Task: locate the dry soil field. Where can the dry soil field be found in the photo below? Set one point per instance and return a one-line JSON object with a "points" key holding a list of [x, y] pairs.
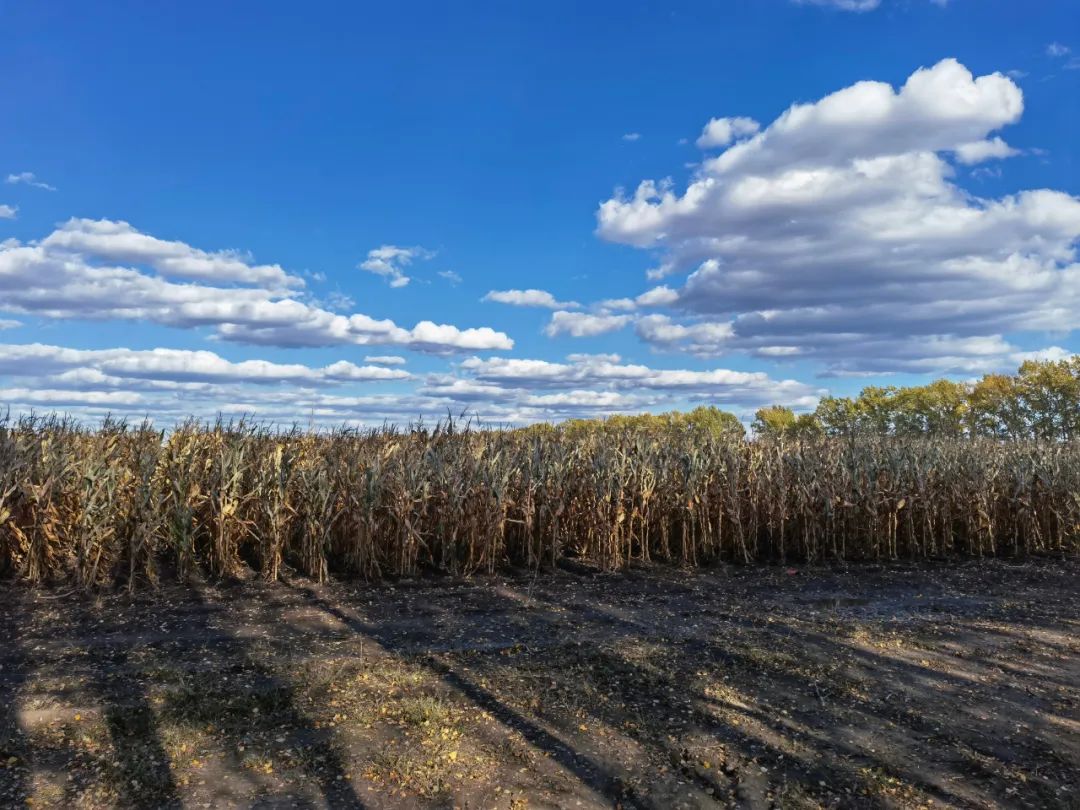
{"points": [[901, 686]]}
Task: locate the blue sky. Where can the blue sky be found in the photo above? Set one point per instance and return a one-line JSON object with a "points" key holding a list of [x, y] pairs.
{"points": [[211, 207]]}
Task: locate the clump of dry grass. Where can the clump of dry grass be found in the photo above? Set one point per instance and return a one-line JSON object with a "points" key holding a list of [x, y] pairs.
{"points": [[122, 504]]}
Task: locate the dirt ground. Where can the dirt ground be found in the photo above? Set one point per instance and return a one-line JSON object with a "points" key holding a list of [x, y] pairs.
{"points": [[951, 685]]}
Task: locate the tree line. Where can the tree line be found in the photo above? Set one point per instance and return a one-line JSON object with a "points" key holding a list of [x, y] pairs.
{"points": [[1040, 401]]}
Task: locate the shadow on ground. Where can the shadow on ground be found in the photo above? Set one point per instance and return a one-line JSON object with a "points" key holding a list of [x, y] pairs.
{"points": [[952, 685]]}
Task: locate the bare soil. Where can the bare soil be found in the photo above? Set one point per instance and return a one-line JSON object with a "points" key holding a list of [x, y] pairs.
{"points": [[937, 685]]}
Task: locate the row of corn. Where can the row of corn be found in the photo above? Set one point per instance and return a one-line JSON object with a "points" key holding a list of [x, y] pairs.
{"points": [[123, 504]]}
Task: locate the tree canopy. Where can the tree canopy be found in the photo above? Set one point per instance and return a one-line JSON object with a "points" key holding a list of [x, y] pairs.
{"points": [[1040, 401]]}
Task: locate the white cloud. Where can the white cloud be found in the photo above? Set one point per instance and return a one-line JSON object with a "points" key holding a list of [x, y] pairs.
{"points": [[172, 385], [586, 385], [8, 211], [28, 179], [722, 131], [290, 323], [529, 298], [656, 297], [55, 399], [978, 151], [616, 304], [840, 229], [344, 371], [81, 271], [661, 296], [600, 372], [390, 262], [582, 324], [779, 351], [632, 136], [1057, 50], [941, 354], [707, 339], [385, 360], [286, 406], [450, 276], [7, 323], [1051, 353], [119, 242], [177, 365]]}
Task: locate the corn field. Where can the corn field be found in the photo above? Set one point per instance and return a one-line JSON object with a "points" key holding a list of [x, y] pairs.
{"points": [[129, 505]]}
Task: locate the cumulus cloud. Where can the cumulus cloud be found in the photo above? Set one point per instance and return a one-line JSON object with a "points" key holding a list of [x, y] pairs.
{"points": [[587, 385], [390, 262], [58, 399], [284, 406], [656, 297], [942, 354], [171, 388], [722, 131], [175, 365], [707, 339], [8, 211], [604, 373], [632, 136], [28, 179], [583, 324], [290, 323], [118, 242], [978, 151], [616, 304], [529, 298], [108, 270], [839, 228], [661, 296], [172, 385]]}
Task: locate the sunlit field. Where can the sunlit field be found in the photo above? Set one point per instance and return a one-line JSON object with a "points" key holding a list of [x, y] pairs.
{"points": [[540, 406], [873, 604]]}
